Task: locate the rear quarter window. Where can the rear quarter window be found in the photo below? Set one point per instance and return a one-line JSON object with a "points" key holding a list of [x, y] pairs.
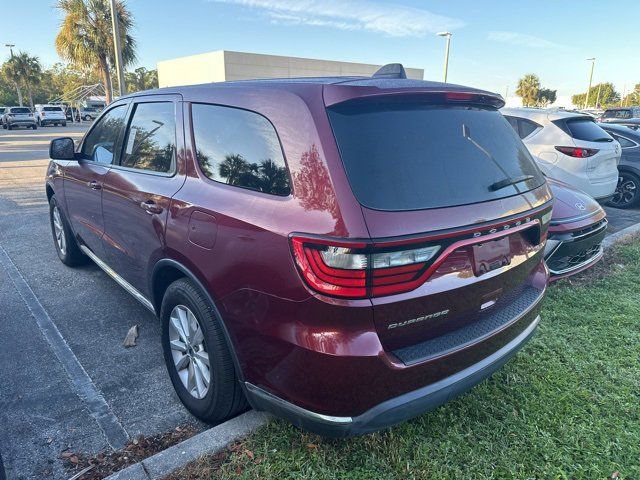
{"points": [[239, 148]]}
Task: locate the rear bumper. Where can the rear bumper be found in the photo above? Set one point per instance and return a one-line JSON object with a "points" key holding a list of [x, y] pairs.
{"points": [[397, 409]]}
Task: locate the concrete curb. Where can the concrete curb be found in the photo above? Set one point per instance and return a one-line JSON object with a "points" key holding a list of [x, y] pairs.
{"points": [[208, 442], [612, 239]]}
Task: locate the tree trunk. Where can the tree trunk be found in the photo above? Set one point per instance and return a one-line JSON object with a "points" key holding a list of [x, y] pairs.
{"points": [[19, 94], [31, 97], [106, 79]]}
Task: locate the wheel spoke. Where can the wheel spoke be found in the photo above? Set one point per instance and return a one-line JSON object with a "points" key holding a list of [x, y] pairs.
{"points": [[182, 362], [197, 338], [178, 345], [191, 380], [203, 371], [176, 325], [203, 357], [184, 321]]}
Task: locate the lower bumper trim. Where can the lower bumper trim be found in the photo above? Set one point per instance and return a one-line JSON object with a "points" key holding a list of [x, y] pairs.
{"points": [[395, 410]]}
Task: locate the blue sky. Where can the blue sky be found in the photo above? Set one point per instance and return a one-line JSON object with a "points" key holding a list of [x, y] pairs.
{"points": [[494, 41]]}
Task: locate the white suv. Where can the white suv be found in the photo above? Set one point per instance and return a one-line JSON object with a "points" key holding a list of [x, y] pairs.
{"points": [[50, 115], [569, 147]]}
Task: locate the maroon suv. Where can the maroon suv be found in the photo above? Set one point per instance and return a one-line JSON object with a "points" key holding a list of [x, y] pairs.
{"points": [[344, 252]]}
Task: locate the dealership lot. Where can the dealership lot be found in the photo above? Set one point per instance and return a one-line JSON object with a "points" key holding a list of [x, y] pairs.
{"points": [[71, 384]]}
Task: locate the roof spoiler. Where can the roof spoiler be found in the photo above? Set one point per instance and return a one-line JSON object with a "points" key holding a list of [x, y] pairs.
{"points": [[390, 70]]}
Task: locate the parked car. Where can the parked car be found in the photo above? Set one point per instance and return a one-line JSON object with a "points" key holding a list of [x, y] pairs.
{"points": [[569, 147], [627, 193], [2, 112], [18, 117], [89, 113], [620, 114], [50, 115], [578, 227], [72, 114], [344, 252]]}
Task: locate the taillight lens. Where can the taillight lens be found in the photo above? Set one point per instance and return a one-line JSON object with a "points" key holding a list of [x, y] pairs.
{"points": [[578, 152], [358, 270]]}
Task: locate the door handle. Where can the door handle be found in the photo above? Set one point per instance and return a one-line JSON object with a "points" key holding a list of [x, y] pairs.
{"points": [[94, 185], [151, 207]]}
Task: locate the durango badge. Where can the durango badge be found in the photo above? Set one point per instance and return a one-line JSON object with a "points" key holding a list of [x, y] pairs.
{"points": [[417, 319]]}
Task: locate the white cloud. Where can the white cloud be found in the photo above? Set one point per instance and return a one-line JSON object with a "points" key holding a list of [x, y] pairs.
{"points": [[389, 19], [522, 40]]}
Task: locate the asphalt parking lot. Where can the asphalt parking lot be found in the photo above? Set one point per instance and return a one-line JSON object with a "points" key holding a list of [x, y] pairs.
{"points": [[67, 381]]}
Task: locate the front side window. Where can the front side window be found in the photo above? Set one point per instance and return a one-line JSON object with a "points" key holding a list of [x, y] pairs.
{"points": [[101, 141], [239, 148], [150, 142]]}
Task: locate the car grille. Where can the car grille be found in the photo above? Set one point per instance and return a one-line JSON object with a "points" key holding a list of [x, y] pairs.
{"points": [[559, 264]]}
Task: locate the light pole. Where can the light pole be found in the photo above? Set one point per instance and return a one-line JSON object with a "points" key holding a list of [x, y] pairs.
{"points": [[593, 62], [10, 45], [446, 52], [116, 45]]}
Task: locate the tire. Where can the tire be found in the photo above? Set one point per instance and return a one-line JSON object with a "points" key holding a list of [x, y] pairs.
{"points": [[87, 118], [64, 124], [68, 250], [35, 127], [39, 122], [9, 126], [627, 193], [223, 397]]}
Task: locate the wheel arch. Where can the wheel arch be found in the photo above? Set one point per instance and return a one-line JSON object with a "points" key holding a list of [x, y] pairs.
{"points": [[50, 191], [167, 271], [629, 169]]}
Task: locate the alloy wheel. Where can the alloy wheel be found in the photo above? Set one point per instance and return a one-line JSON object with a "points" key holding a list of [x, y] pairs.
{"points": [[626, 191], [59, 231], [189, 351]]}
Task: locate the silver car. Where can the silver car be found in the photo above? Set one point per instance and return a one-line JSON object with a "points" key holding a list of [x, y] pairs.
{"points": [[18, 117]]}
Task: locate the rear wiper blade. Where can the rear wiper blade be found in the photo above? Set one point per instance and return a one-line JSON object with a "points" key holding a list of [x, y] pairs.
{"points": [[603, 139], [509, 181]]}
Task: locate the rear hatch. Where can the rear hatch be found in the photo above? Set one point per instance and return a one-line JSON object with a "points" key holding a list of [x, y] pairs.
{"points": [[53, 113], [21, 113], [603, 152], [454, 205]]}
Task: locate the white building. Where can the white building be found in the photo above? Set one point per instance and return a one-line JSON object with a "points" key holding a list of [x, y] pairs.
{"points": [[223, 65]]}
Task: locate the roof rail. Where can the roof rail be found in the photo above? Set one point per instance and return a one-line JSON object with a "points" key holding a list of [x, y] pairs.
{"points": [[390, 70]]}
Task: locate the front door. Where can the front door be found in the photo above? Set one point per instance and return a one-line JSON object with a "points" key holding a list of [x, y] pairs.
{"points": [[84, 179], [137, 191]]}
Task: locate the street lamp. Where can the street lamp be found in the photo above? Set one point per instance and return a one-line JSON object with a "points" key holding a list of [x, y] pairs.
{"points": [[118, 49], [446, 52], [593, 62], [10, 45]]}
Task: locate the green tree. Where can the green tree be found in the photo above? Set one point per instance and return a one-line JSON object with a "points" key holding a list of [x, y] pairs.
{"points": [[633, 98], [25, 71], [601, 95], [528, 89], [141, 79], [545, 97], [85, 38]]}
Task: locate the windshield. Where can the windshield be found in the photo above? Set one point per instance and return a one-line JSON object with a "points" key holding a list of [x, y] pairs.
{"points": [[409, 156], [617, 114], [587, 130]]}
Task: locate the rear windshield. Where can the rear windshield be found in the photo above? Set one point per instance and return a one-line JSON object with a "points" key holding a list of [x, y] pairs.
{"points": [[52, 109], [409, 156], [587, 130], [20, 110], [617, 114]]}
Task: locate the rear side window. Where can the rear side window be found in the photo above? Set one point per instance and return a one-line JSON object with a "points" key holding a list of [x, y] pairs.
{"points": [[151, 138], [587, 130], [408, 156], [100, 143], [239, 148]]}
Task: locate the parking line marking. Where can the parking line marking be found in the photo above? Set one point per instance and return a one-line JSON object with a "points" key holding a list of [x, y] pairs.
{"points": [[81, 383]]}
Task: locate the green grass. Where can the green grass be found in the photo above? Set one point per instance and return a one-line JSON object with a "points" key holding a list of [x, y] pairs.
{"points": [[567, 407]]}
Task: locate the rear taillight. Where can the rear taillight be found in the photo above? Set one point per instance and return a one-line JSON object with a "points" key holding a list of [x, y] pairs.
{"points": [[359, 270], [42, 113], [578, 152]]}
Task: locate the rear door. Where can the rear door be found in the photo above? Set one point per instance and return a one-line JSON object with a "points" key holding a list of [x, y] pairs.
{"points": [[83, 180], [137, 191]]}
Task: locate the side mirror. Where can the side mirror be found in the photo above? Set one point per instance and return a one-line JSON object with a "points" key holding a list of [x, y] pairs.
{"points": [[62, 149]]}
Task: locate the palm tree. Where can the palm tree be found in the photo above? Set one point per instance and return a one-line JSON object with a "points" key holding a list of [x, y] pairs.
{"points": [[85, 38], [25, 71], [528, 88]]}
